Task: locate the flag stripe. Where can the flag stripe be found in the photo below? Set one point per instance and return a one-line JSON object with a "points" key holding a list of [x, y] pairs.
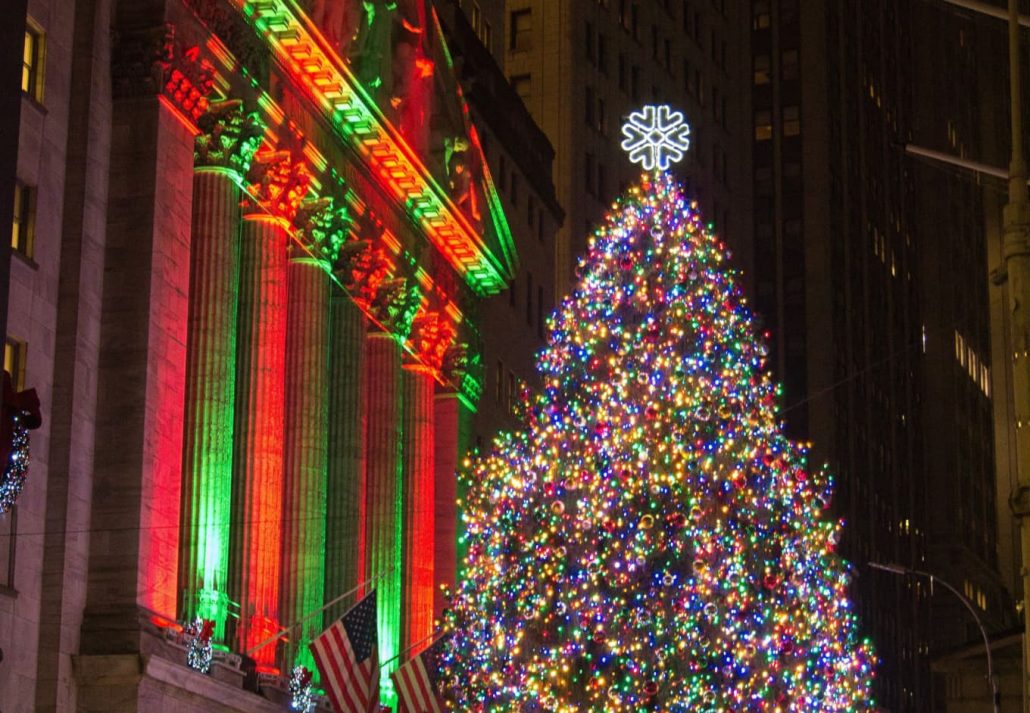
{"points": [[351, 684]]}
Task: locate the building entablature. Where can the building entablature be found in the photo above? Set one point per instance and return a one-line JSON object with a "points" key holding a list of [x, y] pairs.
{"points": [[400, 210]]}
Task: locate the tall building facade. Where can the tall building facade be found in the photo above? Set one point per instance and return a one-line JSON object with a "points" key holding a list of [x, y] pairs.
{"points": [[252, 242], [870, 273], [581, 66]]}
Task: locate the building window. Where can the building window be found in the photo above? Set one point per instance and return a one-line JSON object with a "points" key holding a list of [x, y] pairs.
{"points": [[514, 190], [590, 104], [521, 30], [23, 228], [32, 61], [762, 69], [529, 299], [499, 382], [602, 53], [15, 352], [523, 86], [540, 312], [486, 34], [760, 15], [623, 84], [602, 117], [540, 226], [8, 528], [763, 125], [591, 50], [791, 121], [789, 65], [512, 390]]}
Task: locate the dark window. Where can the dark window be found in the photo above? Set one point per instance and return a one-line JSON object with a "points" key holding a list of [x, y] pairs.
{"points": [[529, 298], [523, 86], [521, 30]]}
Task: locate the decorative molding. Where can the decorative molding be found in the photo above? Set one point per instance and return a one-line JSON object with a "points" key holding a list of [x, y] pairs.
{"points": [[225, 21], [228, 138], [154, 62], [278, 182]]}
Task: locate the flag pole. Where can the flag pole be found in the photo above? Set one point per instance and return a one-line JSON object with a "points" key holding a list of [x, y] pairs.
{"points": [[415, 645], [316, 612]]}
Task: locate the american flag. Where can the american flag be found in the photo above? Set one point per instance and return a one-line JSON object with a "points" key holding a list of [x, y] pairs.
{"points": [[346, 656], [417, 681]]}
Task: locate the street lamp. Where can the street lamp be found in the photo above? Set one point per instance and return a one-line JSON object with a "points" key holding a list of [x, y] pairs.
{"points": [[906, 572]]}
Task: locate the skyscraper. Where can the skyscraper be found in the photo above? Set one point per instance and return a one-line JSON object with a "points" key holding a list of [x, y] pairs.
{"points": [[871, 276], [581, 66]]}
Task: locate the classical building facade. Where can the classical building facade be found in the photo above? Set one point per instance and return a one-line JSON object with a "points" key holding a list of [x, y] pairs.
{"points": [[258, 237]]}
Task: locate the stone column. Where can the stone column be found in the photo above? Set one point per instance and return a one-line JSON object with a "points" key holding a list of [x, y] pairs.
{"points": [[384, 489], [260, 402], [307, 416], [222, 154], [453, 418], [419, 505], [345, 499]]}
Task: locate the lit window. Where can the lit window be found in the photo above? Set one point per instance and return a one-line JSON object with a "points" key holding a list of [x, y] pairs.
{"points": [[32, 62], [763, 125], [760, 14], [762, 69], [521, 30], [23, 227], [14, 362]]}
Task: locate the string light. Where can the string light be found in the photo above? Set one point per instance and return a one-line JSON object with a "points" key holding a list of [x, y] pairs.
{"points": [[651, 540]]}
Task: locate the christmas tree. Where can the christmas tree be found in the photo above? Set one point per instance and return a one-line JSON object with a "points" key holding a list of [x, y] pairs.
{"points": [[650, 540]]}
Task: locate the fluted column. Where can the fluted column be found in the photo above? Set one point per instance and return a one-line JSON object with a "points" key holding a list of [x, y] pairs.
{"points": [[210, 396], [384, 489], [451, 433], [307, 411], [260, 406], [345, 500], [260, 401], [223, 151], [419, 505]]}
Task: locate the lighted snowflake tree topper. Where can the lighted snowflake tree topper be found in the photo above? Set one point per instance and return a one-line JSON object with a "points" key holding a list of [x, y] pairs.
{"points": [[656, 137]]}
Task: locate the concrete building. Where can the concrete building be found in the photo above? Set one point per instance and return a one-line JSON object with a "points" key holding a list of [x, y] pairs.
{"points": [[581, 66], [870, 271], [253, 242]]}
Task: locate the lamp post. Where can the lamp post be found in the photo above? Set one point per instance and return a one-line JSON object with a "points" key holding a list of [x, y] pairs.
{"points": [[906, 572], [1016, 248]]}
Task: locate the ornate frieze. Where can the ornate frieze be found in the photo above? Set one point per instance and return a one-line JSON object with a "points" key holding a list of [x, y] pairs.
{"points": [[155, 62], [229, 136]]}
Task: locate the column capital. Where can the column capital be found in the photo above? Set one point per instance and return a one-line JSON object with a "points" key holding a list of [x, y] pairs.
{"points": [[432, 335], [154, 62], [323, 225], [278, 182], [362, 267], [229, 136], [395, 304]]}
